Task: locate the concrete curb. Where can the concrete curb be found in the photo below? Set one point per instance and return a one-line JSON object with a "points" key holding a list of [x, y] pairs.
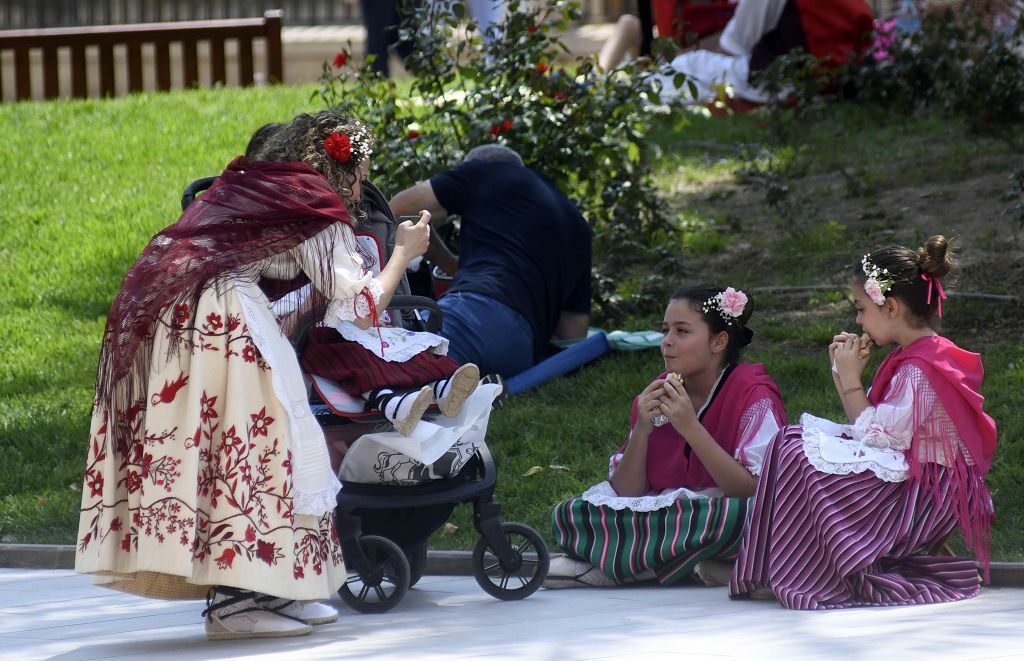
{"points": [[447, 563]]}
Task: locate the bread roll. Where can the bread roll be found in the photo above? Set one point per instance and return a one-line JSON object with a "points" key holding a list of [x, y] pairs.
{"points": [[865, 346]]}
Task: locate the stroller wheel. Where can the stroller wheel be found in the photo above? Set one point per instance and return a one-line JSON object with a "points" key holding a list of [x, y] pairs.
{"points": [[524, 575], [385, 582], [417, 557]]}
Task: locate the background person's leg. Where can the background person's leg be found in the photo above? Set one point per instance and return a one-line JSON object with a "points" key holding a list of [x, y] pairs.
{"points": [[380, 17], [483, 331]]}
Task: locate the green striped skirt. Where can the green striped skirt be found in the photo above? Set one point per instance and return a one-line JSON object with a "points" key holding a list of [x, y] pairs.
{"points": [[670, 541]]}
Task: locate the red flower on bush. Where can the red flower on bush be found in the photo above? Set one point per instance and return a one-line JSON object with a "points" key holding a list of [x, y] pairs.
{"points": [[503, 127], [542, 68], [340, 59], [413, 134], [226, 558], [531, 28], [338, 147], [266, 551], [559, 95]]}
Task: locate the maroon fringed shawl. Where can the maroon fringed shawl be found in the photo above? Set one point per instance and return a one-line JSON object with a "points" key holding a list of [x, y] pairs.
{"points": [[956, 376], [254, 210]]}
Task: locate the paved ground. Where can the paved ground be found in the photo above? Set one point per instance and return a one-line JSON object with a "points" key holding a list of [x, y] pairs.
{"points": [[58, 614]]}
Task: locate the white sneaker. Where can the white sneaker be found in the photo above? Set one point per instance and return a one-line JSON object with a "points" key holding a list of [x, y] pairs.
{"points": [[564, 572], [232, 614], [406, 425], [312, 612], [713, 573], [461, 385]]}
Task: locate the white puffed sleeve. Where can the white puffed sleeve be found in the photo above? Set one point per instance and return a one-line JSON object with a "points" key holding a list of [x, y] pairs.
{"points": [[892, 422], [758, 426], [349, 284]]}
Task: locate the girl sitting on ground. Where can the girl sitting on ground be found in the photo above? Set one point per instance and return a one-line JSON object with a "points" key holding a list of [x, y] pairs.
{"points": [[678, 490], [846, 515]]}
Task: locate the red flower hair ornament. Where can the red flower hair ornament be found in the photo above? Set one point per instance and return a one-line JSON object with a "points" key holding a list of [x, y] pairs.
{"points": [[338, 146]]}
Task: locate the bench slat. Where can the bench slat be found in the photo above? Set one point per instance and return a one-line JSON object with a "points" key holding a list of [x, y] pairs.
{"points": [[107, 70], [190, 63], [22, 79], [245, 72], [51, 75], [79, 80], [134, 58], [218, 70], [163, 65]]}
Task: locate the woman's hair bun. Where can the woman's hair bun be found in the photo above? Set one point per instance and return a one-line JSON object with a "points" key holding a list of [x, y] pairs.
{"points": [[936, 259]]}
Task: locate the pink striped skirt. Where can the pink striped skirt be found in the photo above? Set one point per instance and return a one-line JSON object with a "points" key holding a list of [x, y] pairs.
{"points": [[822, 541]]}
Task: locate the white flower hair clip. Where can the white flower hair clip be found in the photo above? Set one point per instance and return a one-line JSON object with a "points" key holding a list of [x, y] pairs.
{"points": [[879, 281], [729, 304]]}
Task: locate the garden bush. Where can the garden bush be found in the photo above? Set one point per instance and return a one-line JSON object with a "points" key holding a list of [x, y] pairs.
{"points": [[584, 128]]}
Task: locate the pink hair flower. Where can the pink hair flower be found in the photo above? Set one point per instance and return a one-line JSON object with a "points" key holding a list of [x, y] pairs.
{"points": [[733, 301], [874, 291]]}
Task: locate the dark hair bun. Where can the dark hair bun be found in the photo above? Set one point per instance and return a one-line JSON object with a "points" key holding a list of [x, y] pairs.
{"points": [[935, 258]]}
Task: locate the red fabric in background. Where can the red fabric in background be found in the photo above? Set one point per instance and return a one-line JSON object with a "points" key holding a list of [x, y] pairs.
{"points": [[837, 28], [676, 18]]}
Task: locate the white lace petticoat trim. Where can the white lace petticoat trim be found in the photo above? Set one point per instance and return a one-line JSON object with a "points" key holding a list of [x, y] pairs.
{"points": [[603, 494], [396, 345], [830, 452]]}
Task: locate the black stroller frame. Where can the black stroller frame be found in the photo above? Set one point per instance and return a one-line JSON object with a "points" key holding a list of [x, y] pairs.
{"points": [[510, 560]]}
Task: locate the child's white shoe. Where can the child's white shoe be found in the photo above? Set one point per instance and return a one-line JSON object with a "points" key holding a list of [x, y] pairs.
{"points": [[407, 418], [452, 393]]}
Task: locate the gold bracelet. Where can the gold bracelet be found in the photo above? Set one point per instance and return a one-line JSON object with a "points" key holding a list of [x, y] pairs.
{"points": [[847, 392]]}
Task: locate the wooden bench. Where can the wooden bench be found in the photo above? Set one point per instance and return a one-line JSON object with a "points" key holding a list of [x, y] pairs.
{"points": [[132, 38]]}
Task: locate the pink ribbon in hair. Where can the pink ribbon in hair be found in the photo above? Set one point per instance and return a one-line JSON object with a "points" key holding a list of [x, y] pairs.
{"points": [[938, 285]]}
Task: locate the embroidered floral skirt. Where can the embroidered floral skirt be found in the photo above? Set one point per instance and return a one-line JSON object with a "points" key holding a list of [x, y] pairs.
{"points": [[201, 495], [822, 541], [670, 541]]}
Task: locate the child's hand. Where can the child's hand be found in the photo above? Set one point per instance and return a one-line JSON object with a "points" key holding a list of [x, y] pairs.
{"points": [[413, 238], [676, 405], [648, 406], [848, 362], [837, 341]]}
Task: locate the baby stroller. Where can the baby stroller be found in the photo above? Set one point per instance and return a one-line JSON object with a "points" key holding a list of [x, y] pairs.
{"points": [[383, 526]]}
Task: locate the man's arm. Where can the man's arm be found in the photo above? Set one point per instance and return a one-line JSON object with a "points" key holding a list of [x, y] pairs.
{"points": [[421, 196], [572, 325]]}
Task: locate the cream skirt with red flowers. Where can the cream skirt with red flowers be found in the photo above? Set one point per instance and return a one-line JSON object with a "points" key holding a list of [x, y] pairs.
{"points": [[202, 495]]}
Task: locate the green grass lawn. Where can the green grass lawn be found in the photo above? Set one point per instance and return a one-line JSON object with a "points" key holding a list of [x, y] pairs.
{"points": [[85, 184]]}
